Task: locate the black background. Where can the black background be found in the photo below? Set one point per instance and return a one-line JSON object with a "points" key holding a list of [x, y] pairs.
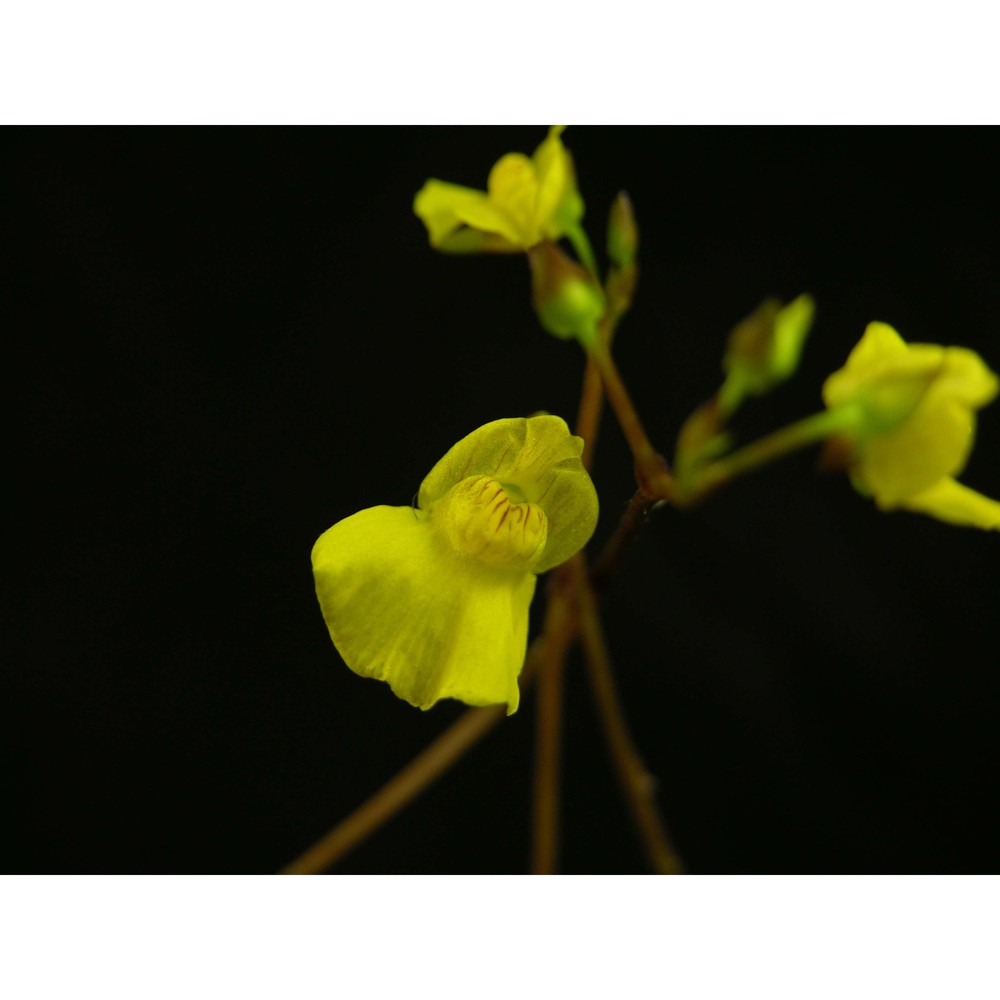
{"points": [[222, 341]]}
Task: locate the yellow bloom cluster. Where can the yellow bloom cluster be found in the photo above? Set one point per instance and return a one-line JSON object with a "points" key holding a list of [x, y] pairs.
{"points": [[434, 599], [527, 200], [914, 424]]}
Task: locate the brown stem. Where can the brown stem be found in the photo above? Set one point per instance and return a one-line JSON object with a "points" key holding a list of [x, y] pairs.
{"points": [[637, 784], [650, 468], [588, 417], [610, 559], [417, 775], [558, 631], [402, 789]]}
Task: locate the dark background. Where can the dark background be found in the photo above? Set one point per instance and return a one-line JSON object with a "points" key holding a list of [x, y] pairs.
{"points": [[220, 341]]}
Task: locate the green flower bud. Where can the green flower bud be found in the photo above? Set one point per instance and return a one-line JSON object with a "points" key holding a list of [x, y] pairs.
{"points": [[623, 232], [568, 301], [764, 349]]}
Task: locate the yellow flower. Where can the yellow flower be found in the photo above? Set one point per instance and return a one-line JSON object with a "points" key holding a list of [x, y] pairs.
{"points": [[527, 200], [913, 424], [434, 599]]}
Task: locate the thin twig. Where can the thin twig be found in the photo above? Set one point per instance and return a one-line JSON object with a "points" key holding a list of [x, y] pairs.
{"points": [[417, 775], [558, 631], [427, 766], [777, 444], [651, 470], [610, 559], [637, 784], [588, 417]]}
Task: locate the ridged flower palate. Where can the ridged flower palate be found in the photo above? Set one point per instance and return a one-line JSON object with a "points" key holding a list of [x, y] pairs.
{"points": [[527, 200], [913, 425], [433, 599]]}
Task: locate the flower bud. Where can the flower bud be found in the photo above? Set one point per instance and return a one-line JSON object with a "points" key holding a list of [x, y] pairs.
{"points": [[623, 232], [566, 298], [764, 349]]}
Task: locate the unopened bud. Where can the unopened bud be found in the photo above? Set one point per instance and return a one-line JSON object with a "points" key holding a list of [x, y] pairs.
{"points": [[764, 349], [566, 298], [623, 232]]}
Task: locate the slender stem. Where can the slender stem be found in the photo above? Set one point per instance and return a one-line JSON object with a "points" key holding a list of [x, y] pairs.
{"points": [[417, 775], [577, 235], [426, 767], [558, 631], [637, 784], [588, 417], [650, 468], [545, 791], [776, 445], [610, 559], [592, 394]]}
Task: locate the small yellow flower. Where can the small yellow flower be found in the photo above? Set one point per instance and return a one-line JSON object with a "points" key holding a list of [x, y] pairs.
{"points": [[527, 200], [434, 599], [914, 424]]}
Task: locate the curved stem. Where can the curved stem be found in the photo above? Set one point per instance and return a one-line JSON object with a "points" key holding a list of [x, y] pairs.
{"points": [[588, 416], [637, 784], [400, 790], [767, 449], [577, 235], [558, 632], [558, 629], [609, 561], [650, 468]]}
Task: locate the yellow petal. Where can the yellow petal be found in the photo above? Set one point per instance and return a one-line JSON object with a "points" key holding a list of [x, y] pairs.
{"points": [[442, 207], [885, 373], [536, 460], [879, 344], [950, 501], [513, 190], [965, 378], [934, 442], [554, 170], [403, 607], [527, 200], [467, 240]]}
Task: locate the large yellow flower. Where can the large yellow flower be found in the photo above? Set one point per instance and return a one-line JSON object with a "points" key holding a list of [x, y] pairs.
{"points": [[914, 424], [434, 599], [527, 200]]}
